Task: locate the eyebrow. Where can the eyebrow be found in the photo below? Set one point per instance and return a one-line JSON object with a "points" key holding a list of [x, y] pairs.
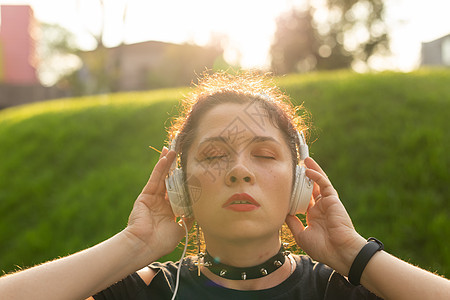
{"points": [[260, 139], [255, 139]]}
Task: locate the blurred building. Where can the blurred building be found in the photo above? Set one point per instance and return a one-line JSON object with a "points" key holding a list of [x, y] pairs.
{"points": [[19, 82], [139, 66], [17, 45], [145, 65], [437, 52]]}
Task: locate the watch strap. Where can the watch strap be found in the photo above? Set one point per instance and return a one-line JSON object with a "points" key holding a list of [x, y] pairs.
{"points": [[362, 259]]}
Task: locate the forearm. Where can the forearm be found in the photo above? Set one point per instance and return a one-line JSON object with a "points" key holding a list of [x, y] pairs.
{"points": [[392, 278], [330, 238], [80, 275]]}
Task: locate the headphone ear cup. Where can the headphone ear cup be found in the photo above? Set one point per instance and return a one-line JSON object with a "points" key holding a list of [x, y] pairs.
{"points": [[176, 192], [301, 192]]}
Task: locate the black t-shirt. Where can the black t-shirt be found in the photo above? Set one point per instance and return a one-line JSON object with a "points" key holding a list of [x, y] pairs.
{"points": [[310, 280]]}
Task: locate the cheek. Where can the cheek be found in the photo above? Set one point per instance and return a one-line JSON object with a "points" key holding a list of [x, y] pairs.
{"points": [[194, 188], [280, 182], [202, 186], [281, 176]]}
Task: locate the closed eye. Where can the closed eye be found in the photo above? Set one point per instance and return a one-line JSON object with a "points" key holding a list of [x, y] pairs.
{"points": [[265, 156]]}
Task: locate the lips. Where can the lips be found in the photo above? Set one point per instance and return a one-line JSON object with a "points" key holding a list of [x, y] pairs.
{"points": [[241, 202]]}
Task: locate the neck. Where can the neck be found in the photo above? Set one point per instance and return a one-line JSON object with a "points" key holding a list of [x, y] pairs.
{"points": [[246, 254]]}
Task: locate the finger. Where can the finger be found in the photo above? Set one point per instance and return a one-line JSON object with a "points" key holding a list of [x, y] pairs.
{"points": [[317, 177], [317, 198], [316, 190], [295, 225], [312, 164], [155, 184], [163, 152], [312, 202], [166, 197], [161, 187], [171, 156], [324, 184]]}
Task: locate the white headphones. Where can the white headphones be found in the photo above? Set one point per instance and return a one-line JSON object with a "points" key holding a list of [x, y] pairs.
{"points": [[181, 203], [303, 186]]}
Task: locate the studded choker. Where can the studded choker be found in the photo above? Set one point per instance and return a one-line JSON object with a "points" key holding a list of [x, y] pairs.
{"points": [[235, 273]]}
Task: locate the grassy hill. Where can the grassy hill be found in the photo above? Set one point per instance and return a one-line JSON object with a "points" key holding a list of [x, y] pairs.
{"points": [[71, 169]]}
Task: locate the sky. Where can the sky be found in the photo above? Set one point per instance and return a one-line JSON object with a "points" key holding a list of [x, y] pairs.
{"points": [[249, 24]]}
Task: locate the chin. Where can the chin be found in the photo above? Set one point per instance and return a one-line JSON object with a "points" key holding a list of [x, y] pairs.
{"points": [[244, 230]]}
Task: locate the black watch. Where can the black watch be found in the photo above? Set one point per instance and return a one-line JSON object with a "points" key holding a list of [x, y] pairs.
{"points": [[362, 259]]}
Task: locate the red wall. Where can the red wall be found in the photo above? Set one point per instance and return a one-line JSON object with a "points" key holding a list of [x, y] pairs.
{"points": [[17, 45]]}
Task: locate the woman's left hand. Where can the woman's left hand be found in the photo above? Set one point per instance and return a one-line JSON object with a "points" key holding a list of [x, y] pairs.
{"points": [[329, 236]]}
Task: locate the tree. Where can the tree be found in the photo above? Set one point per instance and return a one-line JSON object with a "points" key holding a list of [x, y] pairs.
{"points": [[57, 52], [341, 33], [294, 46], [103, 75], [63, 63]]}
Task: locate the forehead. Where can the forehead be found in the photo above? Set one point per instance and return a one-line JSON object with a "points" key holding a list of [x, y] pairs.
{"points": [[237, 124]]}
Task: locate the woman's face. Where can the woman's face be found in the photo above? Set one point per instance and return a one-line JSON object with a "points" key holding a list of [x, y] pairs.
{"points": [[239, 173]]}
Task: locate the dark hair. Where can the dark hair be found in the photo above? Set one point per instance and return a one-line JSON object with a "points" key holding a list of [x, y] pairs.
{"points": [[242, 88]]}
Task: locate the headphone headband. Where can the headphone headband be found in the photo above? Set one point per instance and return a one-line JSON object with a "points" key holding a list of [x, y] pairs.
{"points": [[303, 147]]}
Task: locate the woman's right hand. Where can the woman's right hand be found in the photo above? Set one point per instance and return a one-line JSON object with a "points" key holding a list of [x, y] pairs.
{"points": [[152, 222]]}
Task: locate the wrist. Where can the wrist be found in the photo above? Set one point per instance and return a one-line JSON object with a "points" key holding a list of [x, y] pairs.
{"points": [[348, 254], [362, 259], [140, 252]]}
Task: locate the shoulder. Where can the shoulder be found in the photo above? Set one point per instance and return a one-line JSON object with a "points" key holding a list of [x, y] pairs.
{"points": [[127, 288], [310, 267], [311, 275], [327, 282], [146, 274], [159, 276], [149, 272]]}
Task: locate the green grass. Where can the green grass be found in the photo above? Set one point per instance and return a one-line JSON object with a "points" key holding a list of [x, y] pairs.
{"points": [[72, 168]]}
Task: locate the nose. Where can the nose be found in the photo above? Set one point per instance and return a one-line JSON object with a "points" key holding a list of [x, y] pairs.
{"points": [[239, 173]]}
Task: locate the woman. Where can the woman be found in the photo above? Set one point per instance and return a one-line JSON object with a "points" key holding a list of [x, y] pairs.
{"points": [[238, 144]]}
